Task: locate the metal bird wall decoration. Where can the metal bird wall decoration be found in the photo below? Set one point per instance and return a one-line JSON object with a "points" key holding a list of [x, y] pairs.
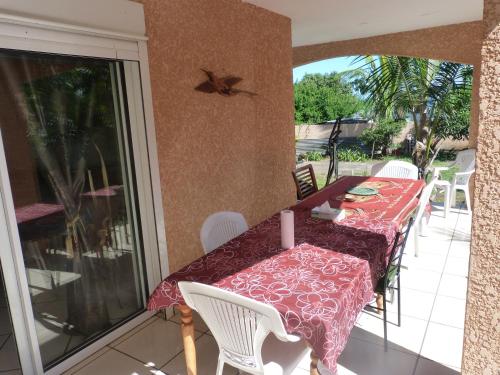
{"points": [[222, 86]]}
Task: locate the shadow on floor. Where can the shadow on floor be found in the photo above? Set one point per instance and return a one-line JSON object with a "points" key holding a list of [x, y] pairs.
{"points": [[366, 356]]}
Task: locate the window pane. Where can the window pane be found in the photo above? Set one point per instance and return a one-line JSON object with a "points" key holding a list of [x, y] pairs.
{"points": [[72, 180]]}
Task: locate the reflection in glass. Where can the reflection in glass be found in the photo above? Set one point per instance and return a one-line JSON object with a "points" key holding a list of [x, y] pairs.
{"points": [[68, 158], [9, 359]]}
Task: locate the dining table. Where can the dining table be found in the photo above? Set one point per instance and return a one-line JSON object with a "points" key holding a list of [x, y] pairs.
{"points": [[321, 284]]}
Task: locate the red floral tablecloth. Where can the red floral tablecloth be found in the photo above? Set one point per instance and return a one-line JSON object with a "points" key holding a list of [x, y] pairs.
{"points": [[320, 286], [395, 199], [37, 211]]}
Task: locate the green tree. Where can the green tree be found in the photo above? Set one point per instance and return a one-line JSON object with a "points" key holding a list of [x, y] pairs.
{"points": [[324, 97], [435, 94], [381, 135]]}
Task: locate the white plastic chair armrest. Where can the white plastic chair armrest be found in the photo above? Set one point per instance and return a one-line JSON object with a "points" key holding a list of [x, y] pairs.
{"points": [[465, 173], [436, 171]]}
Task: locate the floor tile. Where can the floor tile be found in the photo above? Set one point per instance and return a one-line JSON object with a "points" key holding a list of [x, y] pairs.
{"points": [[460, 249], [443, 344], [301, 371], [449, 311], [116, 363], [457, 266], [422, 280], [453, 286], [134, 330], [427, 367], [199, 323], [425, 261], [157, 343], [87, 361], [8, 355], [428, 245], [414, 303], [407, 338], [365, 358], [206, 357]]}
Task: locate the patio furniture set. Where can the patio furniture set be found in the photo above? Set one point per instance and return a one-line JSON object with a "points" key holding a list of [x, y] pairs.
{"points": [[265, 303]]}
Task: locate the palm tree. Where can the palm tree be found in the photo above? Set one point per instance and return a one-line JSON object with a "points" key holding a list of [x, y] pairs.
{"points": [[432, 92]]}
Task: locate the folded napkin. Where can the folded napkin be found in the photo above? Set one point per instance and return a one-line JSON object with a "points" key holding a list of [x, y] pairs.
{"points": [[326, 212]]}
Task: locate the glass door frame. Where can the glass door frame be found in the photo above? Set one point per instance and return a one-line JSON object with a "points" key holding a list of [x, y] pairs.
{"points": [[62, 39]]}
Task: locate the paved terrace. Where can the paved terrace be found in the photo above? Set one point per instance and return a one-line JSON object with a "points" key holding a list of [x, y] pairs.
{"points": [[428, 342]]}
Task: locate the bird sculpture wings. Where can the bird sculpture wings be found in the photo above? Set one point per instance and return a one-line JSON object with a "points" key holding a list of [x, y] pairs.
{"points": [[222, 86]]}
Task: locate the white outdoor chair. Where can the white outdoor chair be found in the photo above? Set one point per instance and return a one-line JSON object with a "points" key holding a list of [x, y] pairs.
{"points": [[396, 169], [241, 327], [465, 161], [419, 216], [220, 228]]}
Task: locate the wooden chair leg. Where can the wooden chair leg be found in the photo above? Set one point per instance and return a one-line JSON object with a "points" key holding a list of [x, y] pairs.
{"points": [[380, 303], [314, 363], [187, 329]]}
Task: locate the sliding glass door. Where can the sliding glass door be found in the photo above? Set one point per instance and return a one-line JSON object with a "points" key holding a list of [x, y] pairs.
{"points": [[9, 358], [65, 125]]}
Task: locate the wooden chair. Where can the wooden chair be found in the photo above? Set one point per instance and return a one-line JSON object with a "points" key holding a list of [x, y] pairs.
{"points": [[305, 181]]}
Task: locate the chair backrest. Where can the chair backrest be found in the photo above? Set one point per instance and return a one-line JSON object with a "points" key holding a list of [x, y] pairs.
{"points": [[305, 181], [394, 263], [466, 160], [220, 228], [425, 196], [396, 169], [238, 324]]}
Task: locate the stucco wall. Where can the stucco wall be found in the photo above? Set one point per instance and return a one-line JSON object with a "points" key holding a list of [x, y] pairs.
{"points": [[482, 328], [219, 153], [460, 43]]}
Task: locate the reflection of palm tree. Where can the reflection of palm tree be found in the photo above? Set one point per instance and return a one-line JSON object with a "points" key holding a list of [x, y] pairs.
{"points": [[432, 92], [61, 110]]}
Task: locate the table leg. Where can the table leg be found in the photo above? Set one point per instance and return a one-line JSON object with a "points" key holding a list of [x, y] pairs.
{"points": [[314, 363], [380, 303], [187, 329]]}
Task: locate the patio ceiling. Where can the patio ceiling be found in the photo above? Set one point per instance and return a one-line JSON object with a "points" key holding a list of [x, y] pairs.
{"points": [[322, 21]]}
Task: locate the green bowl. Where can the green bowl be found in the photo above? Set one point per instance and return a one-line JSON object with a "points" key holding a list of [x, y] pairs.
{"points": [[362, 191]]}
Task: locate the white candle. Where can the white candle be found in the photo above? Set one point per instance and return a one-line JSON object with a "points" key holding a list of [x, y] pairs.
{"points": [[287, 229]]}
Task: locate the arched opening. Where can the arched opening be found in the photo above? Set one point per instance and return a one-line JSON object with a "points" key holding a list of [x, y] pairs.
{"points": [[434, 284]]}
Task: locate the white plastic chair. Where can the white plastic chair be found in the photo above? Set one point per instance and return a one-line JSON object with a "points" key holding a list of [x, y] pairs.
{"points": [[220, 228], [240, 326], [423, 201], [396, 169], [465, 161]]}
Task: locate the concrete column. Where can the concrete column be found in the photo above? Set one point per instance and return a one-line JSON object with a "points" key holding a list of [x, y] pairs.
{"points": [[482, 325]]}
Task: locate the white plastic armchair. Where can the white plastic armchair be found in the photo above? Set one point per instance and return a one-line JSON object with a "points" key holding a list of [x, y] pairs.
{"points": [[465, 161], [419, 216], [240, 326], [396, 169], [220, 228]]}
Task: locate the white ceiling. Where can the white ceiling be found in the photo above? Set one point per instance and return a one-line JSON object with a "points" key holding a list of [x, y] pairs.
{"points": [[321, 21]]}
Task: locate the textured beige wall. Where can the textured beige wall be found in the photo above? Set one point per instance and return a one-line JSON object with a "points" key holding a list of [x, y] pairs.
{"points": [[460, 43], [219, 153], [482, 328]]}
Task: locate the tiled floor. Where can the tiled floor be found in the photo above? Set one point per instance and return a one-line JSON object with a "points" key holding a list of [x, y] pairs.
{"points": [[429, 342]]}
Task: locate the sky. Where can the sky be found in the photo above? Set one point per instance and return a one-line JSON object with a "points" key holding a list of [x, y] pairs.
{"points": [[339, 64]]}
